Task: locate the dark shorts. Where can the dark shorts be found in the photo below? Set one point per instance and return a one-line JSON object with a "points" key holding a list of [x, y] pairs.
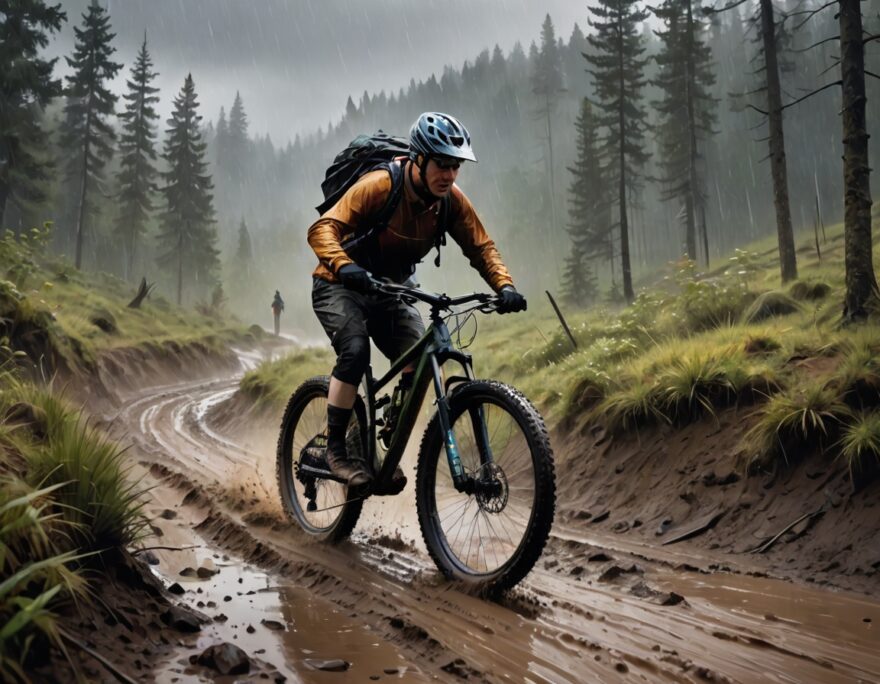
{"points": [[351, 319]]}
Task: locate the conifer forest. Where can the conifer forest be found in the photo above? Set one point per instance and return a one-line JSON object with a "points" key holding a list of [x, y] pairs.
{"points": [[638, 135]]}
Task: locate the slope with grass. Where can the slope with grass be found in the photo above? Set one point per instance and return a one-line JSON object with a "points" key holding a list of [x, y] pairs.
{"points": [[78, 325]]}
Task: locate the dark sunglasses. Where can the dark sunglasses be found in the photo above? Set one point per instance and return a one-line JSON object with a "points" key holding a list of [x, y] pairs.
{"points": [[446, 164]]}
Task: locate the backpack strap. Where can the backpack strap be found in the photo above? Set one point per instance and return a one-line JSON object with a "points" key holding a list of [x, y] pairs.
{"points": [[443, 224], [383, 216]]}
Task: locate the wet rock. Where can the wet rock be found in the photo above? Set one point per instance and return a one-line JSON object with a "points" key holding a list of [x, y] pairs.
{"points": [[602, 517], [621, 667], [176, 589], [227, 598], [642, 590], [250, 629], [150, 557], [577, 570], [181, 620], [221, 618], [391, 670], [157, 531], [663, 527], [620, 527], [600, 557], [672, 599], [226, 659], [583, 515], [611, 574], [550, 564], [205, 572], [336, 665], [274, 625], [188, 572], [168, 514]]}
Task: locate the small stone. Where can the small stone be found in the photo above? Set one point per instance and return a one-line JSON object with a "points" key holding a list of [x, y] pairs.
{"points": [[168, 514], [176, 589], [205, 573], [391, 670], [274, 625], [336, 665], [187, 572], [251, 629], [181, 620], [150, 557], [226, 659]]}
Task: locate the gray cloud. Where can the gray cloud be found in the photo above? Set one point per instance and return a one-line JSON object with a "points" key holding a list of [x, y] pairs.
{"points": [[295, 62]]}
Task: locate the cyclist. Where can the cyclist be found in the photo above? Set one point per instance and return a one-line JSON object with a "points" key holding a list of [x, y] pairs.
{"points": [[341, 296]]}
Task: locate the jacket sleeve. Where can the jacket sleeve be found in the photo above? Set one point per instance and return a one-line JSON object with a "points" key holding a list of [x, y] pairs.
{"points": [[364, 199], [467, 230]]}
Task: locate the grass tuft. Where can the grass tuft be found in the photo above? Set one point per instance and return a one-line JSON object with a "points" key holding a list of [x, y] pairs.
{"points": [[809, 291], [793, 422], [860, 444], [770, 305]]}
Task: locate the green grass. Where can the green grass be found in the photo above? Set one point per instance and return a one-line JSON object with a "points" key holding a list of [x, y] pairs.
{"points": [[36, 574], [46, 297], [792, 423], [272, 382], [860, 444]]}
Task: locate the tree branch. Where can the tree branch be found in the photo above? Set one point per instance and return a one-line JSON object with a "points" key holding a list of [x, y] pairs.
{"points": [[812, 13], [821, 42], [870, 38], [800, 99], [871, 73], [712, 10]]}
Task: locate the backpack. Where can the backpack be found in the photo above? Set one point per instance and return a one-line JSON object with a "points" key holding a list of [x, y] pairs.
{"points": [[368, 153]]}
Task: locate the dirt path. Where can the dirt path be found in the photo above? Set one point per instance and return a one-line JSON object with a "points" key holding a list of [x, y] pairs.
{"points": [[593, 610]]}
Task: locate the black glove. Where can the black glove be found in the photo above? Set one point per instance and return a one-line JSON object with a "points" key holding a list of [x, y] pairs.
{"points": [[355, 278], [509, 300]]}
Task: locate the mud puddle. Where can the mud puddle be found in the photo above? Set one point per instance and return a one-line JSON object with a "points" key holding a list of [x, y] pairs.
{"points": [[284, 626]]}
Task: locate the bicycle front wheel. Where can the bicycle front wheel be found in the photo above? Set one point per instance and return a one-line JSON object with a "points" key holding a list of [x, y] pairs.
{"points": [[320, 506], [489, 538]]}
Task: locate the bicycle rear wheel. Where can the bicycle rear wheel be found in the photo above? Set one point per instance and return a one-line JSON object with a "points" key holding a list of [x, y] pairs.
{"points": [[490, 538], [303, 442]]}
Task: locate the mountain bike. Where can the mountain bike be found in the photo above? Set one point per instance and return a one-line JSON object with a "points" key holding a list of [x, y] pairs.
{"points": [[485, 484]]}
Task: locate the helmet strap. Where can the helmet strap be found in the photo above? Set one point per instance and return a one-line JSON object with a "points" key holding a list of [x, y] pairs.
{"points": [[421, 187]]}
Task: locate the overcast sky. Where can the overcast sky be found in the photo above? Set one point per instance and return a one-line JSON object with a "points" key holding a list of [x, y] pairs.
{"points": [[296, 61]]}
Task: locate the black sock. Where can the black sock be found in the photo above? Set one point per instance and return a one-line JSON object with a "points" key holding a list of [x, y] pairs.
{"points": [[337, 425]]}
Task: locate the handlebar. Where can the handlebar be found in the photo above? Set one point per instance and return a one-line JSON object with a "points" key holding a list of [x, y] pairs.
{"points": [[437, 302]]}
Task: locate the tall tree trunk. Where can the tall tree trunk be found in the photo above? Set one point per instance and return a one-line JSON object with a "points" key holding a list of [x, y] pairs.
{"points": [[554, 227], [861, 283], [787, 257], [690, 83], [626, 271], [180, 269], [4, 196]]}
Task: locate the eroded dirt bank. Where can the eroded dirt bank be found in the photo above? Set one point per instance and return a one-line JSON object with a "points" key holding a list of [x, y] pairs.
{"points": [[602, 605]]}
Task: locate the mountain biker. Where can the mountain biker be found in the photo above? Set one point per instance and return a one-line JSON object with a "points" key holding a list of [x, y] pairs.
{"points": [[342, 296]]}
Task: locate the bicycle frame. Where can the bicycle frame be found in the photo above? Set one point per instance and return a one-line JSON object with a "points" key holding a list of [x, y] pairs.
{"points": [[432, 351]]}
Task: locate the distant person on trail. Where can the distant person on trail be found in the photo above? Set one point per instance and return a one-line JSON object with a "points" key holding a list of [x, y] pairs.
{"points": [[277, 308], [352, 248]]}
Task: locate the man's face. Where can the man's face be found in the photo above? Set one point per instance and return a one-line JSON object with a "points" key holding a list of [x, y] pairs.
{"points": [[440, 174]]}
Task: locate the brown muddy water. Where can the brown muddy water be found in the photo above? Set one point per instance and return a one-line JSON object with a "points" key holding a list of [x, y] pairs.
{"points": [[594, 609]]}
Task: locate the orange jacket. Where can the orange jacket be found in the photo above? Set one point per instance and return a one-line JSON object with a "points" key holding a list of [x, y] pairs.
{"points": [[410, 233]]}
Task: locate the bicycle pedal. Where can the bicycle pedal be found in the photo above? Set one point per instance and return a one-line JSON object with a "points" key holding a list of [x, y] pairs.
{"points": [[391, 489], [311, 507]]}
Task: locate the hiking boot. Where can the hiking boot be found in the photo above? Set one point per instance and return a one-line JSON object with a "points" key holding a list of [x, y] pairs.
{"points": [[353, 472]]}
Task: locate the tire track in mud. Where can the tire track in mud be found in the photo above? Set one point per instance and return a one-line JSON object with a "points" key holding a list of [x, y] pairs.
{"points": [[586, 613]]}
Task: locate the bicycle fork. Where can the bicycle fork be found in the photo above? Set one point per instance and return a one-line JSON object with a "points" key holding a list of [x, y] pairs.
{"points": [[461, 480]]}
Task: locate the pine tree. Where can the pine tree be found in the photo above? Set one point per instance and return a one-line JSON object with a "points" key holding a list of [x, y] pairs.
{"points": [[238, 143], [87, 136], [590, 226], [547, 85], [137, 146], [578, 279], [618, 68], [244, 256], [687, 111], [188, 238], [26, 87]]}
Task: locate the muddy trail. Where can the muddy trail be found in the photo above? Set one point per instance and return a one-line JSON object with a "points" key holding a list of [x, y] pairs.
{"points": [[375, 608]]}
